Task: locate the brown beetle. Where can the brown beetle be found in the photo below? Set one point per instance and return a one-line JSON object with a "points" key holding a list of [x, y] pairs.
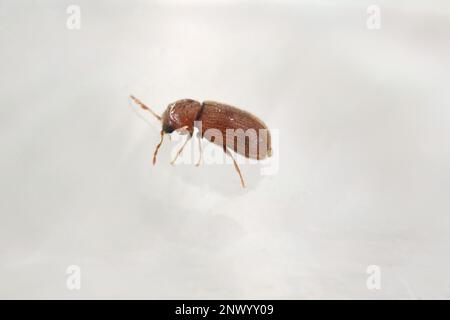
{"points": [[185, 115]]}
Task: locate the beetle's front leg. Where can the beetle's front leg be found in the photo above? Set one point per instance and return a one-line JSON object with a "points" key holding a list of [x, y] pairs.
{"points": [[157, 147]]}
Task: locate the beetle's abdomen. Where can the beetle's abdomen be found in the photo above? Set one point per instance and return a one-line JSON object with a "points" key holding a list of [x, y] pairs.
{"points": [[246, 134]]}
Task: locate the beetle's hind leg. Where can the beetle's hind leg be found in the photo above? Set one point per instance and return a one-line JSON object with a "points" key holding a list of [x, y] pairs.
{"points": [[235, 166]]}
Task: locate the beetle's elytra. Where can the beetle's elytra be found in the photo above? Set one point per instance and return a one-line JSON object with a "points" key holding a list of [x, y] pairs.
{"points": [[184, 115]]}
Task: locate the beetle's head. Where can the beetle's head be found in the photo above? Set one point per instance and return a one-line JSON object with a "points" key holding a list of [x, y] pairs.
{"points": [[179, 114], [167, 122]]}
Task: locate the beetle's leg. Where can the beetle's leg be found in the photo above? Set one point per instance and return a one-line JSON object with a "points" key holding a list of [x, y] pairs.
{"points": [[200, 150], [157, 147], [235, 166], [181, 149], [182, 129]]}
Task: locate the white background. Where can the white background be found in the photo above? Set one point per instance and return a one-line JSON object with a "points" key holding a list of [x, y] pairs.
{"points": [[364, 150]]}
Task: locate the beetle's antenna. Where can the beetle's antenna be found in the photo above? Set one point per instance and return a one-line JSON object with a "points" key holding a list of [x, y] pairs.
{"points": [[138, 114], [143, 106], [157, 147]]}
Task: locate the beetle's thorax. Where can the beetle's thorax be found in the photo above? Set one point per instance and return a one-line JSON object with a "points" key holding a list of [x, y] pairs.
{"points": [[180, 114]]}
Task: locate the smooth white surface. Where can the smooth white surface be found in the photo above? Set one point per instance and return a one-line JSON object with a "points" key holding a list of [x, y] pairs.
{"points": [[364, 173]]}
